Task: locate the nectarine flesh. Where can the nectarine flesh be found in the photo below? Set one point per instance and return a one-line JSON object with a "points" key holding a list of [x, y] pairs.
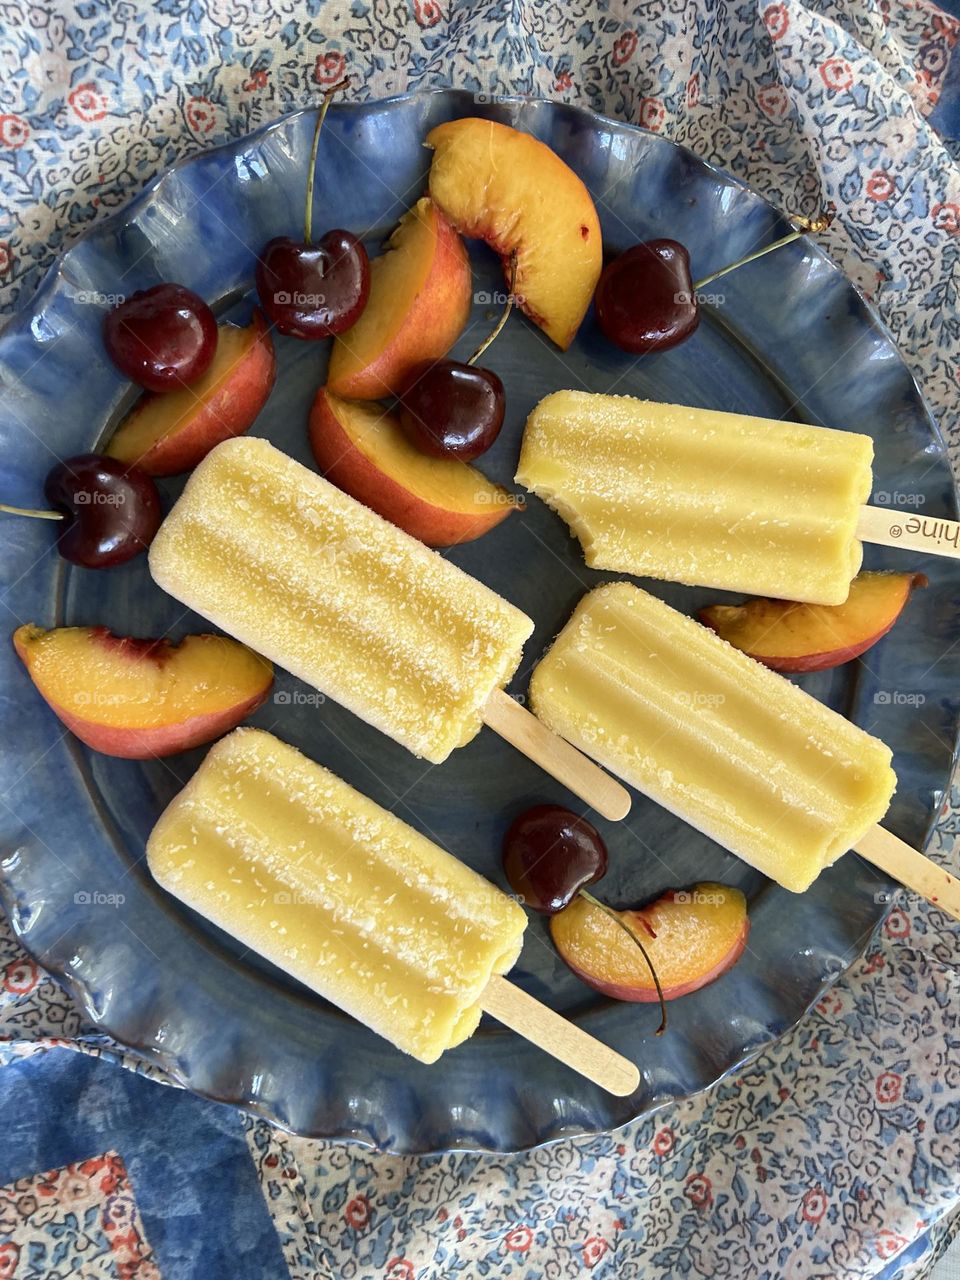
{"points": [[514, 192], [691, 936], [167, 434], [788, 636], [363, 450], [420, 296], [140, 698]]}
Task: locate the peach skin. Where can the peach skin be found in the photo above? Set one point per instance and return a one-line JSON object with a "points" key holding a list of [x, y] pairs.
{"points": [[169, 433], [362, 449], [420, 295], [509, 189], [788, 636], [692, 937], [140, 698]]}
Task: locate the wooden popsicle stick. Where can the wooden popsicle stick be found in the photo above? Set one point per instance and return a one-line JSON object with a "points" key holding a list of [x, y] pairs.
{"points": [[912, 869], [504, 715], [887, 527], [559, 1037]]}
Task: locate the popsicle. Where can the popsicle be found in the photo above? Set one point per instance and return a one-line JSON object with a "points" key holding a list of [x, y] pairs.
{"points": [[714, 499], [277, 556], [726, 744], [352, 902]]}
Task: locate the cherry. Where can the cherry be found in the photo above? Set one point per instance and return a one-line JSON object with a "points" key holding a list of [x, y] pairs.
{"points": [[309, 290], [550, 855], [452, 409], [109, 511], [162, 338], [646, 299]]}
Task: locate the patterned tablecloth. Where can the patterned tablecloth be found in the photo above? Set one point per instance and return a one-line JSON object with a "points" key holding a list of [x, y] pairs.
{"points": [[838, 1153]]}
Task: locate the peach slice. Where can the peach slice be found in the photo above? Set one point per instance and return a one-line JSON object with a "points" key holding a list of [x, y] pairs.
{"points": [[692, 936], [140, 698], [788, 636], [420, 294], [166, 434], [512, 191], [362, 448]]}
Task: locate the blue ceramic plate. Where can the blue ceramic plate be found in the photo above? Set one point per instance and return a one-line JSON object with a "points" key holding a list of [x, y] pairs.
{"points": [[792, 338]]}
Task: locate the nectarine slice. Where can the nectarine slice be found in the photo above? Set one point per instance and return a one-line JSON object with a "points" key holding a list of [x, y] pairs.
{"points": [[169, 433], [362, 448], [788, 636], [420, 295], [140, 698], [509, 189], [692, 936]]}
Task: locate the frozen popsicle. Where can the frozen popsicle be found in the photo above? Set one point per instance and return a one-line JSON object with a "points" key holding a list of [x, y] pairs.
{"points": [[714, 499], [726, 744], [346, 898], [280, 558]]}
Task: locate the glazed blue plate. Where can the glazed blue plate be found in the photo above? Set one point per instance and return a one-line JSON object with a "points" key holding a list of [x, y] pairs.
{"points": [[790, 338]]}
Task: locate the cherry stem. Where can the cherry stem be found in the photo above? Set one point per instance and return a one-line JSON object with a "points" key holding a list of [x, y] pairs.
{"points": [[491, 337], [618, 919], [308, 214], [805, 227], [30, 511]]}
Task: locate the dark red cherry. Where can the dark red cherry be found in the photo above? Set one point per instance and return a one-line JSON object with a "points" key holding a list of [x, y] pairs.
{"points": [[162, 338], [314, 290], [550, 854], [645, 300], [453, 410], [111, 510]]}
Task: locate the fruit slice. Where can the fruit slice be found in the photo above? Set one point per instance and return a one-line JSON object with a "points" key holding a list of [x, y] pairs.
{"points": [[166, 434], [512, 191], [692, 936], [140, 698], [361, 448], [420, 294], [812, 637]]}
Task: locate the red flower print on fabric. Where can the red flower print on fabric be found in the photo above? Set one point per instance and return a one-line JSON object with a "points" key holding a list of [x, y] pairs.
{"points": [[87, 102], [624, 47], [836, 74], [14, 131], [518, 1240], [329, 67]]}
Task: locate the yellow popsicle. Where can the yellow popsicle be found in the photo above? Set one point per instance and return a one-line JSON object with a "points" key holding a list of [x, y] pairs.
{"points": [[705, 498], [286, 562], [726, 744], [341, 894]]}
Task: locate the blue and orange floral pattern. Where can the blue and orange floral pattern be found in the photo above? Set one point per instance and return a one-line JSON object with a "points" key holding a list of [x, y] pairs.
{"points": [[835, 1153], [78, 1220]]}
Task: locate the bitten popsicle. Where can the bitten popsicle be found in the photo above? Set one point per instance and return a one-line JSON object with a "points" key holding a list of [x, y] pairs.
{"points": [[714, 499], [729, 746], [352, 902], [277, 556]]}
